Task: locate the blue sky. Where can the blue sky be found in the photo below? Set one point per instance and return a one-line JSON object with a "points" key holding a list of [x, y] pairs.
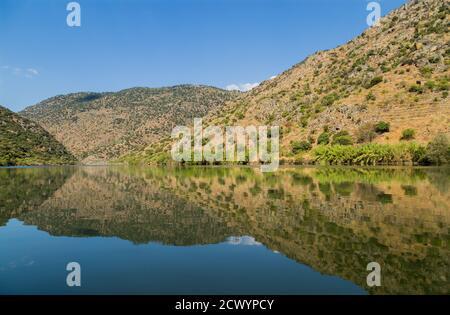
{"points": [[153, 43]]}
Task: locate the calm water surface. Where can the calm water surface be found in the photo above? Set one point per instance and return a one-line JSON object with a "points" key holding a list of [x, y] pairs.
{"points": [[224, 230]]}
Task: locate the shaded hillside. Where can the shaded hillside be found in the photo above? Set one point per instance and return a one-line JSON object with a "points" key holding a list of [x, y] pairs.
{"points": [[23, 142], [103, 126], [25, 189], [395, 75]]}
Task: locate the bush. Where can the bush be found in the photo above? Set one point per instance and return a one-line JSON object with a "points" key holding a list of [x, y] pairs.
{"points": [[371, 97], [342, 138], [374, 82], [443, 85], [300, 146], [408, 134], [370, 154], [426, 71], [430, 85], [365, 133], [324, 138], [416, 89], [438, 150], [382, 127], [329, 99]]}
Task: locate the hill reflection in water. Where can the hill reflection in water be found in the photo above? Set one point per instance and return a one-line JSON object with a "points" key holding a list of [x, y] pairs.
{"points": [[335, 220]]}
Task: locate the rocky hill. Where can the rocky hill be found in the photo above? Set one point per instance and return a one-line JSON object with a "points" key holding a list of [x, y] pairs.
{"points": [[388, 85], [104, 126], [23, 142]]}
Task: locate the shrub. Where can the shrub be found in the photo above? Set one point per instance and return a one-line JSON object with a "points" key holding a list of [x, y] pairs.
{"points": [[443, 85], [430, 85], [300, 146], [374, 82], [370, 154], [304, 121], [415, 88], [438, 150], [426, 71], [408, 134], [365, 133], [382, 127], [371, 97], [324, 138], [329, 99], [342, 138]]}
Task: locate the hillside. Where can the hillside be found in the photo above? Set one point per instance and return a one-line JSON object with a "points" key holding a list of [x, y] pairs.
{"points": [[23, 142], [395, 75], [104, 126]]}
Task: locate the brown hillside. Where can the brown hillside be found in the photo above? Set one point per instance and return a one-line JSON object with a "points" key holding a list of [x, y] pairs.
{"points": [[103, 126], [397, 72]]}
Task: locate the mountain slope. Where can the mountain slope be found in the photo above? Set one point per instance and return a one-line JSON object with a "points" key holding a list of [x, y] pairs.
{"points": [[23, 142], [104, 126], [397, 73]]}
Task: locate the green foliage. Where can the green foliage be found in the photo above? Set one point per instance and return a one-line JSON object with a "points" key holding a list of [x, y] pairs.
{"points": [[329, 99], [438, 150], [324, 138], [23, 142], [431, 85], [408, 134], [382, 127], [443, 84], [371, 97], [370, 154], [415, 88], [342, 138], [151, 112], [300, 146], [374, 82], [426, 71]]}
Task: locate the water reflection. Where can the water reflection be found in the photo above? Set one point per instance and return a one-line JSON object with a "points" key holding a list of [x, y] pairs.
{"points": [[335, 220]]}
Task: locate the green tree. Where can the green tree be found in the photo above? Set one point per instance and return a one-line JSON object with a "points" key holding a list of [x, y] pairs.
{"points": [[300, 146], [324, 138], [342, 138], [438, 150]]}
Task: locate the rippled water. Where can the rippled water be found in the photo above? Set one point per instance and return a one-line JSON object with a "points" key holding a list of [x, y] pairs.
{"points": [[224, 230]]}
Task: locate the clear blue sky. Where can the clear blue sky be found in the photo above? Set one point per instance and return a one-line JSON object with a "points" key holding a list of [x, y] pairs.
{"points": [[153, 43]]}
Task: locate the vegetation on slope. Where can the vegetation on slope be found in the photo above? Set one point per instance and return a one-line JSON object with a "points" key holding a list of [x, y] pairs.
{"points": [[23, 142], [104, 126], [387, 86]]}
